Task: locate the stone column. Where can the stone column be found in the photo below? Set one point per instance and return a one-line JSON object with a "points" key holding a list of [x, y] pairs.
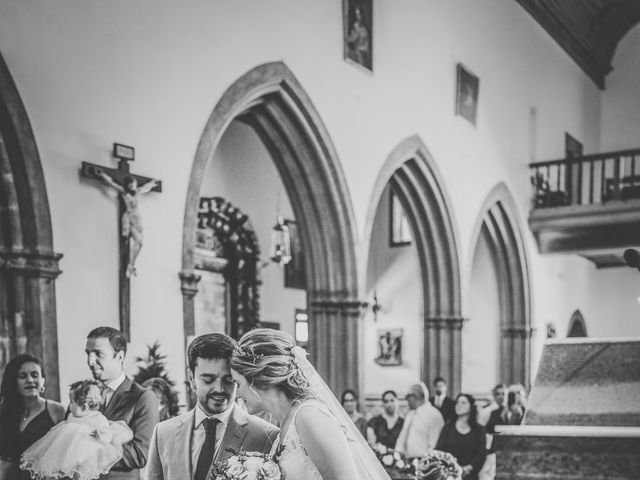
{"points": [[189, 287], [443, 350], [515, 354], [30, 277], [333, 341]]}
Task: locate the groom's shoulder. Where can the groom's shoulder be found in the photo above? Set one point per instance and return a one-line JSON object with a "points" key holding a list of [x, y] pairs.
{"points": [[169, 426]]}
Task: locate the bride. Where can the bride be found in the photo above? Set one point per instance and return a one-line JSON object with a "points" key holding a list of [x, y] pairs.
{"points": [[317, 439]]}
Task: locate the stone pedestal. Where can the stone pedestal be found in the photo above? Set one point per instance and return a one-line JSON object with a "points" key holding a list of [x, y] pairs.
{"points": [[583, 418]]}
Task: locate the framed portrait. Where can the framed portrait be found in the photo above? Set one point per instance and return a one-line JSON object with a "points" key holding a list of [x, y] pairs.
{"points": [[389, 347], [357, 32], [399, 229], [294, 274], [468, 86]]}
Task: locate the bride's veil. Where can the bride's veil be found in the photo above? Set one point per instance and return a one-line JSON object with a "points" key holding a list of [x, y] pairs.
{"points": [[367, 465]]}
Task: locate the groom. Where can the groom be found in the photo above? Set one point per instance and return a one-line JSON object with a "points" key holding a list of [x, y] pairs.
{"points": [[184, 447]]}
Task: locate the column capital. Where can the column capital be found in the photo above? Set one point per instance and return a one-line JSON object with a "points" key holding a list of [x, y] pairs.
{"points": [[441, 322], [189, 283], [31, 262], [336, 301], [516, 332]]}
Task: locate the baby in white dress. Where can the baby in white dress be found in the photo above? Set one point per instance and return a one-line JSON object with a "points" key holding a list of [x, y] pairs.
{"points": [[84, 446]]}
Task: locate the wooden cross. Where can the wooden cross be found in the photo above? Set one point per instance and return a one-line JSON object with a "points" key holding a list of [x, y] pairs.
{"points": [[130, 187]]}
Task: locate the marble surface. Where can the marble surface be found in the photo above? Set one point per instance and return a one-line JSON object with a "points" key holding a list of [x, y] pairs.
{"points": [[587, 383]]}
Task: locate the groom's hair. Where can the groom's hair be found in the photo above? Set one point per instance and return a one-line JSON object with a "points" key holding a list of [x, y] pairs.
{"points": [[210, 346]]}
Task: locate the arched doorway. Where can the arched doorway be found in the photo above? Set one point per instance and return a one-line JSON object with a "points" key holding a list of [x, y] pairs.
{"points": [[577, 326], [498, 230], [272, 102], [412, 176], [28, 264]]}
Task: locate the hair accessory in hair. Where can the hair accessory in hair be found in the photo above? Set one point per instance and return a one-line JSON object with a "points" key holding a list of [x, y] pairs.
{"points": [[251, 354], [438, 464]]}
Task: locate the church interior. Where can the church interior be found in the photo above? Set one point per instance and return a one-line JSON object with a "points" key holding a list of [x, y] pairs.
{"points": [[440, 200]]}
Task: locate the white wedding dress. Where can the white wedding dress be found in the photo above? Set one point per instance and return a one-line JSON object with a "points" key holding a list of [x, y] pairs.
{"points": [[294, 460]]}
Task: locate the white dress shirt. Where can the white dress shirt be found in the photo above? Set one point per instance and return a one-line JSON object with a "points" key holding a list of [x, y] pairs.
{"points": [[199, 434], [420, 432], [111, 387]]}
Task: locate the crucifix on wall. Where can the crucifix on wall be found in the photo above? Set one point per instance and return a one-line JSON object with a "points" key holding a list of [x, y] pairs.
{"points": [[129, 187]]}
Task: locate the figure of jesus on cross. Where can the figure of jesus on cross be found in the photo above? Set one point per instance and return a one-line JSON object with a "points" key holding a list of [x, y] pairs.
{"points": [[131, 220], [130, 188]]}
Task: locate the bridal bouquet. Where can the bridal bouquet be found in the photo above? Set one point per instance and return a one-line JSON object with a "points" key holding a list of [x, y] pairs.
{"points": [[438, 464], [246, 466]]}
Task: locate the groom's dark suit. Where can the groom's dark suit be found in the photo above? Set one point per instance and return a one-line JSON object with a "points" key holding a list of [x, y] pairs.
{"points": [[138, 408], [170, 450]]}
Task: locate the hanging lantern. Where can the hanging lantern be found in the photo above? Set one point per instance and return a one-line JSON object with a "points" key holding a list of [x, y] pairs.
{"points": [[280, 251]]}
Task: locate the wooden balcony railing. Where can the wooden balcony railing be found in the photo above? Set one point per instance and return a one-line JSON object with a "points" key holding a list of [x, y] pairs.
{"points": [[588, 180]]}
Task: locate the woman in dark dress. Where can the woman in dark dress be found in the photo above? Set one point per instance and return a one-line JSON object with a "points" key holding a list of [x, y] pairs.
{"points": [[24, 415], [385, 428], [464, 438]]}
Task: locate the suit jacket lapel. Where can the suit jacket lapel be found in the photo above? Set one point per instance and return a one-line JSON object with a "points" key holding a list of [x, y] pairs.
{"points": [[184, 437], [117, 396], [234, 433]]}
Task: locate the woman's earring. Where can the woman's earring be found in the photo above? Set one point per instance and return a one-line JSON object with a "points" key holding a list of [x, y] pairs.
{"points": [[42, 389]]}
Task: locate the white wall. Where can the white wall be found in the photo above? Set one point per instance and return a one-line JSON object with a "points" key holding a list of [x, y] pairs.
{"points": [[394, 273], [481, 333], [149, 73], [242, 171]]}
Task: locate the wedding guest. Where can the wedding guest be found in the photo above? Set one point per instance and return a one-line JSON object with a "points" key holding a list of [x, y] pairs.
{"points": [[464, 438], [520, 397], [441, 401], [422, 425], [168, 404], [493, 414], [123, 399], [515, 412], [349, 401], [25, 416], [386, 427]]}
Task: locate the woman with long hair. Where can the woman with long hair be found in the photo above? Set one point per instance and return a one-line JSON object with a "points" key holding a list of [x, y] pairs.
{"points": [[349, 401], [168, 404], [25, 416], [464, 438], [317, 440]]}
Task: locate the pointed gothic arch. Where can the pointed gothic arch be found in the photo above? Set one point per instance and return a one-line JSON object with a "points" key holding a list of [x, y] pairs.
{"points": [[28, 264], [413, 176], [498, 224], [271, 100], [577, 326]]}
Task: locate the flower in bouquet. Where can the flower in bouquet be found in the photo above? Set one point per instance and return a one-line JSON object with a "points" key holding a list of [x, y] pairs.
{"points": [[392, 459], [246, 466], [438, 465]]}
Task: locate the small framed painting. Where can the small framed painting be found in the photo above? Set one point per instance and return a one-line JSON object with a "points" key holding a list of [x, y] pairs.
{"points": [[357, 32], [468, 86], [389, 347]]}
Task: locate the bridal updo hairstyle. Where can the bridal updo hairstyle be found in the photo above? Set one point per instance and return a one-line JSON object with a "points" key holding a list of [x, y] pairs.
{"points": [[265, 359]]}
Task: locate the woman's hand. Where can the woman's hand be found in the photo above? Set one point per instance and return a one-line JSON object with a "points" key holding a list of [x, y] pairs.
{"points": [[466, 470]]}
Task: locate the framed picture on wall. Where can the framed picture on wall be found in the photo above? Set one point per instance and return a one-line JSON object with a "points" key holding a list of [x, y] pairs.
{"points": [[357, 32], [399, 229], [389, 347], [467, 89]]}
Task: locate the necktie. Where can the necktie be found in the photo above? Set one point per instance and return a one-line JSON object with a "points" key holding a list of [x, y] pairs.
{"points": [[208, 448]]}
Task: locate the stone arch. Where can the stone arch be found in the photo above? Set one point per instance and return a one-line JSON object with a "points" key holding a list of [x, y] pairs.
{"points": [[271, 100], [28, 264], [498, 223], [577, 326], [413, 176]]}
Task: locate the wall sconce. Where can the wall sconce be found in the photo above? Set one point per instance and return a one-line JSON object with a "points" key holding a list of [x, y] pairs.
{"points": [[280, 248]]}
